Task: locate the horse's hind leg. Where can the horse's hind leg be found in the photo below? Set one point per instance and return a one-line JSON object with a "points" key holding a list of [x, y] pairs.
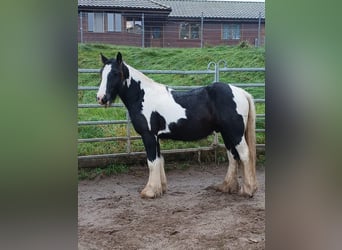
{"points": [[230, 183], [162, 175], [238, 156], [249, 185]]}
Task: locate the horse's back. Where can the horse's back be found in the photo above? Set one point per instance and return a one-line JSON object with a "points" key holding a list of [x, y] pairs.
{"points": [[214, 104]]}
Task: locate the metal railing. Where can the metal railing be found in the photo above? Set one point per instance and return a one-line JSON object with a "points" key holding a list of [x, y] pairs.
{"points": [[128, 138]]}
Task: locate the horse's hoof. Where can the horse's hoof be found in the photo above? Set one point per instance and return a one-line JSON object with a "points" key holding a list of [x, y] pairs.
{"points": [[231, 188], [164, 188], [151, 193], [247, 192]]}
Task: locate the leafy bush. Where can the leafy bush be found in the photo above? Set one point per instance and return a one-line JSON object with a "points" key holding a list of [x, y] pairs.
{"points": [[244, 44]]}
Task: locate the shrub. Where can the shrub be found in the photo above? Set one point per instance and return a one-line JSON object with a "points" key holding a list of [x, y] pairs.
{"points": [[244, 44]]}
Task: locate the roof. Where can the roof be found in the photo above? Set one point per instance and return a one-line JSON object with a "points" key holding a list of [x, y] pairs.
{"points": [[131, 4], [187, 8], [215, 9]]}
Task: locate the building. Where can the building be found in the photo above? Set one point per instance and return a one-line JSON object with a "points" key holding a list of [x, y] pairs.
{"points": [[168, 23]]}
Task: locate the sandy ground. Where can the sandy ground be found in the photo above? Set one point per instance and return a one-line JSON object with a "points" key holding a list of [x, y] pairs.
{"points": [[111, 214]]}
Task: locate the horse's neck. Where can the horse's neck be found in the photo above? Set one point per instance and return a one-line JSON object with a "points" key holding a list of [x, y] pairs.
{"points": [[145, 81], [131, 91]]}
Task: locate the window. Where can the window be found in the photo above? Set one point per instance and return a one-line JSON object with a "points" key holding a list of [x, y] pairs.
{"points": [[118, 24], [156, 33], [134, 25], [189, 31], [98, 22], [230, 31], [90, 21], [110, 21], [114, 22], [95, 22]]}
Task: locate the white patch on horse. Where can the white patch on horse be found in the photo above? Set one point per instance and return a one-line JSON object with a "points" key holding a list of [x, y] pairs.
{"points": [[154, 187], [242, 105], [159, 99], [137, 76], [103, 86]]}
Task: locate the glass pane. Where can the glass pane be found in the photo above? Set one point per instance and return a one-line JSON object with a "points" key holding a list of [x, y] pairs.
{"points": [[156, 32], [225, 32], [134, 25], [195, 31], [110, 21], [184, 31], [90, 21], [137, 27], [98, 24], [237, 32], [118, 22], [129, 26]]}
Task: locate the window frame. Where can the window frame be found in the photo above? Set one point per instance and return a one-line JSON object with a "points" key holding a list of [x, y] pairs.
{"points": [[110, 22], [135, 21], [231, 31], [118, 22], [96, 20], [156, 30], [90, 18], [114, 22], [189, 31]]}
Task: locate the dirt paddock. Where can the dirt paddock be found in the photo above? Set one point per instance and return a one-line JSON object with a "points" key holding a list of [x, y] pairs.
{"points": [[111, 214]]}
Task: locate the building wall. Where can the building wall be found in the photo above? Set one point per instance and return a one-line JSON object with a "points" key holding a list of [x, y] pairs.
{"points": [[118, 38], [250, 33], [172, 39], [212, 35]]}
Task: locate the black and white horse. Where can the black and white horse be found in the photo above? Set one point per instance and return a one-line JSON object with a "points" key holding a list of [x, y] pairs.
{"points": [[159, 112]]}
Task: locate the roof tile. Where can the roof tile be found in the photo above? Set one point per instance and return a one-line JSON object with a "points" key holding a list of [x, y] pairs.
{"points": [[187, 8], [134, 4], [216, 9]]}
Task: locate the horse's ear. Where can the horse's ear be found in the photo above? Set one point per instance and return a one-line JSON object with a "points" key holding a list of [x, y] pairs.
{"points": [[104, 59], [119, 58]]}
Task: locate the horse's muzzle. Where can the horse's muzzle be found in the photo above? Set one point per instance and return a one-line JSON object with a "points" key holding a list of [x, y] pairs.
{"points": [[104, 101]]}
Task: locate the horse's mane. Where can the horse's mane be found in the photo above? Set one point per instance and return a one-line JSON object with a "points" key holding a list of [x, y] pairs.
{"points": [[144, 79]]}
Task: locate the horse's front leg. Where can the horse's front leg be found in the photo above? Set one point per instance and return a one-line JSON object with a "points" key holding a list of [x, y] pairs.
{"points": [[156, 184]]}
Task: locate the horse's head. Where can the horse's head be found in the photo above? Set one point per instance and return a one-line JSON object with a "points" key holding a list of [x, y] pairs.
{"points": [[113, 74]]}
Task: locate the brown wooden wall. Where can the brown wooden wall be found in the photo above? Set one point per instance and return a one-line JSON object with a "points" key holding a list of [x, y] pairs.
{"points": [[212, 35], [119, 38]]}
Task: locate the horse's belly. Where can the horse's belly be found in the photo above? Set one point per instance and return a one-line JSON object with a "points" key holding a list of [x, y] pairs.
{"points": [[187, 133]]}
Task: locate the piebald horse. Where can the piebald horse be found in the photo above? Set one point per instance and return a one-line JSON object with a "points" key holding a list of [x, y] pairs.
{"points": [[158, 112]]}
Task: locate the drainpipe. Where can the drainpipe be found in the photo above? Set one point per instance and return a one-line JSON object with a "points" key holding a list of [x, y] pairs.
{"points": [[259, 29], [81, 26], [202, 30], [143, 30]]}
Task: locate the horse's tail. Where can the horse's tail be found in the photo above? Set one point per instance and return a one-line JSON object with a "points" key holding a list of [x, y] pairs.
{"points": [[250, 131]]}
